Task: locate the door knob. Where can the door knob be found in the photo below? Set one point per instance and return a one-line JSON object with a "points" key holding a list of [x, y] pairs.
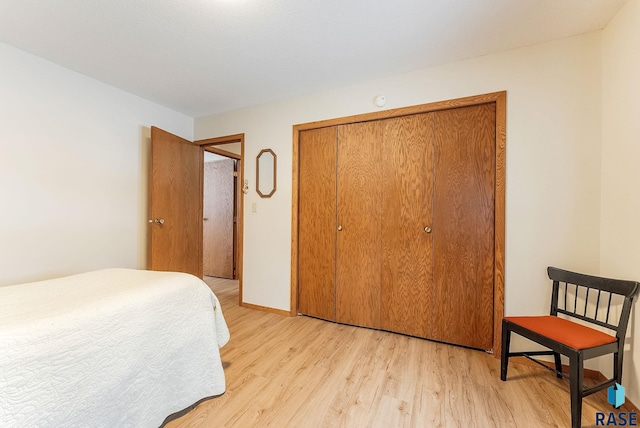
{"points": [[339, 228], [159, 221], [427, 229]]}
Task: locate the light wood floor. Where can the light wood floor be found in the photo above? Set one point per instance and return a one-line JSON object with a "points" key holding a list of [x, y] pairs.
{"points": [[303, 372]]}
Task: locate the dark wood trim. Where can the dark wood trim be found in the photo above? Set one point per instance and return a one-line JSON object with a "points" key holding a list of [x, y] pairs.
{"points": [[499, 98]]}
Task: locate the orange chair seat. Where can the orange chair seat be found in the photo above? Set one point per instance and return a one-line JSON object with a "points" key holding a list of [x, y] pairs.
{"points": [[574, 335]]}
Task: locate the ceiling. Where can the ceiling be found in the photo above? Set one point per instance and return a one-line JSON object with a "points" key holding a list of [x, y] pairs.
{"points": [[202, 57]]}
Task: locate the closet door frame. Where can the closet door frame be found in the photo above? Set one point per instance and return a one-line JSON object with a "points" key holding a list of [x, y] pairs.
{"points": [[499, 98]]}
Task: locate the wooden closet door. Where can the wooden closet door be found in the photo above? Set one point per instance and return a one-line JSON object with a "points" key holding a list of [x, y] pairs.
{"points": [[358, 267], [463, 226], [407, 253], [317, 223]]}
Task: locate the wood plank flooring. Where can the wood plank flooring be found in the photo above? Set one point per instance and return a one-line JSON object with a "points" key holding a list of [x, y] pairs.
{"points": [[304, 372]]}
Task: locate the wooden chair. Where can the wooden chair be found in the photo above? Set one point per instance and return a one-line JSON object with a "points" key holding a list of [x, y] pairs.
{"points": [[576, 341]]}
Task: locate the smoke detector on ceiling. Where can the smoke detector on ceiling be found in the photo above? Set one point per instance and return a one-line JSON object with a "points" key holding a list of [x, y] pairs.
{"points": [[380, 101]]}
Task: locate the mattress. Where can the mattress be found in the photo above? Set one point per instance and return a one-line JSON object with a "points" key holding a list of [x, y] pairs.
{"points": [[110, 348]]}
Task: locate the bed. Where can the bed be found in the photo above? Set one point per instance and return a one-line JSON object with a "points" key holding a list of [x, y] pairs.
{"points": [[110, 348]]}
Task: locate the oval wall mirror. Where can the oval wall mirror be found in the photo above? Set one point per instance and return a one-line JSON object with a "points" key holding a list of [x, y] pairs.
{"points": [[266, 173]]}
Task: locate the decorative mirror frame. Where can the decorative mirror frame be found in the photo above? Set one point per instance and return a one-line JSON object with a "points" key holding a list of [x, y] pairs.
{"points": [[275, 161]]}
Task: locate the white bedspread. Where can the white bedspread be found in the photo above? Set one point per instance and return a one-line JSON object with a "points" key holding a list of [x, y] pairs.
{"points": [[111, 348]]}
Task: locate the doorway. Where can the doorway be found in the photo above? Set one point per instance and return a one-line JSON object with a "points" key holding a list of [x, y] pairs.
{"points": [[223, 207], [219, 225]]}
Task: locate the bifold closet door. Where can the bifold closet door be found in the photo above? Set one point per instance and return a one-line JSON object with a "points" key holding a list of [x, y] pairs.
{"points": [[463, 225], [407, 250], [358, 259], [317, 223], [396, 224]]}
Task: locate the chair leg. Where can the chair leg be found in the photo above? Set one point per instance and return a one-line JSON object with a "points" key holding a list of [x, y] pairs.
{"points": [[617, 366], [576, 388], [556, 357], [504, 356]]}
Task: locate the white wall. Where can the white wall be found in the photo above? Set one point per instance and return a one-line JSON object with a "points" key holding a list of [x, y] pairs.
{"points": [[553, 160], [620, 218], [73, 170]]}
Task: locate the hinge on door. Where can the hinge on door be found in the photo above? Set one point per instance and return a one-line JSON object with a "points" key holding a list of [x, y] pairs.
{"points": [[235, 220], [235, 173]]}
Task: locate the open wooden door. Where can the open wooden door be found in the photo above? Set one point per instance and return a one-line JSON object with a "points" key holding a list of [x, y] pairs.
{"points": [[175, 204]]}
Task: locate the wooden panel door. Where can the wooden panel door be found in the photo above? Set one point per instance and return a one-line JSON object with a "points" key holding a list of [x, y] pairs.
{"points": [[407, 251], [359, 251], [175, 204], [317, 223], [218, 218], [463, 225]]}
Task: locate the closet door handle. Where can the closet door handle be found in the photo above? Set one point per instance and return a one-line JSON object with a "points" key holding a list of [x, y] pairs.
{"points": [[339, 228], [427, 229]]}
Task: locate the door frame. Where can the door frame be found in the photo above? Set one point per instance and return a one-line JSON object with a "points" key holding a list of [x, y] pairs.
{"points": [[209, 144], [499, 98]]}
